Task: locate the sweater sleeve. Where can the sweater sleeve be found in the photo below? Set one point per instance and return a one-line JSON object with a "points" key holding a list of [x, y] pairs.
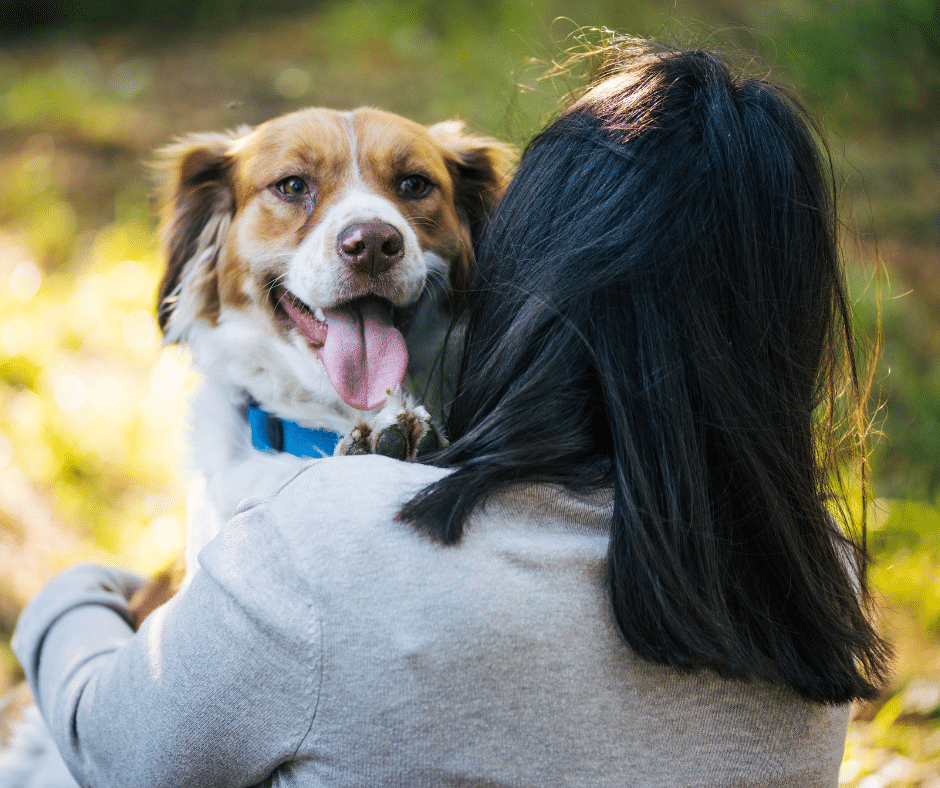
{"points": [[218, 687]]}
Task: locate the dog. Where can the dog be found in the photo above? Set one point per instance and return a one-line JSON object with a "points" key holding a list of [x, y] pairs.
{"points": [[313, 267]]}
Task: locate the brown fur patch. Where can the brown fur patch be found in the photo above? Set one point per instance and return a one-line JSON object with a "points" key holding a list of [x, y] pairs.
{"points": [[195, 216], [479, 167], [160, 589], [468, 171]]}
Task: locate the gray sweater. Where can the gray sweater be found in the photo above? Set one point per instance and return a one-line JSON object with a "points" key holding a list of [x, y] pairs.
{"points": [[324, 644]]}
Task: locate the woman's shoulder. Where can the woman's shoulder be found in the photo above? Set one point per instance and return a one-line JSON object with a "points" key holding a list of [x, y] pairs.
{"points": [[334, 519], [349, 484], [336, 499], [364, 493]]}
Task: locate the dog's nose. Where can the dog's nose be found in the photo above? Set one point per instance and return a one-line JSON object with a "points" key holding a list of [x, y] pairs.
{"points": [[371, 248]]}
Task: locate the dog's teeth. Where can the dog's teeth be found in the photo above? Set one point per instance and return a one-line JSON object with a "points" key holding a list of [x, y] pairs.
{"points": [[318, 314]]}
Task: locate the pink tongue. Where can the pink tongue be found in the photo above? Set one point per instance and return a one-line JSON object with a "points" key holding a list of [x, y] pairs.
{"points": [[364, 354], [309, 326]]}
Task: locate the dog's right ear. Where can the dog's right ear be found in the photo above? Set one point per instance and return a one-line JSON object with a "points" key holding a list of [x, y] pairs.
{"points": [[198, 206], [479, 166]]}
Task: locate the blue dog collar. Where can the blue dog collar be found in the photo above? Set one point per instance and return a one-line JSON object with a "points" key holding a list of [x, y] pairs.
{"points": [[272, 434]]}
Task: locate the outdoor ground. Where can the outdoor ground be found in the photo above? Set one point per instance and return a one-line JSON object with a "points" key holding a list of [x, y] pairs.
{"points": [[92, 409]]}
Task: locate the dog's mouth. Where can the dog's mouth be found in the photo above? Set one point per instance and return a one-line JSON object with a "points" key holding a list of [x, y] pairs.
{"points": [[360, 343]]}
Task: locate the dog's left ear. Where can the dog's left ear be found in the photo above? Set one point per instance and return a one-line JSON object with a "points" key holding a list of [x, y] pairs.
{"points": [[479, 167], [198, 205]]}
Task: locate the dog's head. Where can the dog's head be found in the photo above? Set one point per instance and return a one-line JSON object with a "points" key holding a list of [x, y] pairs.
{"points": [[326, 229]]}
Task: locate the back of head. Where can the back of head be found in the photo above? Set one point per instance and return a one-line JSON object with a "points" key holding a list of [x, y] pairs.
{"points": [[660, 307]]}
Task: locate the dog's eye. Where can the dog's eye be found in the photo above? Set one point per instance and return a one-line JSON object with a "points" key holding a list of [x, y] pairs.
{"points": [[414, 187], [293, 186]]}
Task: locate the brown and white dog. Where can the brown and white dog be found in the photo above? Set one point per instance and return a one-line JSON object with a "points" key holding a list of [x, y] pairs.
{"points": [[313, 266]]}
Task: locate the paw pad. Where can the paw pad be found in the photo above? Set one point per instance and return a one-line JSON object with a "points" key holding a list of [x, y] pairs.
{"points": [[429, 442], [392, 442]]}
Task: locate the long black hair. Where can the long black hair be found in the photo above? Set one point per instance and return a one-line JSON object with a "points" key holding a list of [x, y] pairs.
{"points": [[660, 308]]}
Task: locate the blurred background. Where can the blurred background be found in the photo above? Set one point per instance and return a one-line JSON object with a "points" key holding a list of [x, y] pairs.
{"points": [[92, 410]]}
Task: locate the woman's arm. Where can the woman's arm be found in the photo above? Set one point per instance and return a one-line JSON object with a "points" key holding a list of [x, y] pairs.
{"points": [[218, 687]]}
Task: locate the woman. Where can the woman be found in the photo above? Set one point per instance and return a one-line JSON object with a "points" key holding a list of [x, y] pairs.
{"points": [[622, 571]]}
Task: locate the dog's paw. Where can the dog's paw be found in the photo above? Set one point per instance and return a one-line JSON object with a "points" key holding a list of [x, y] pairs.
{"points": [[405, 432], [401, 430]]}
